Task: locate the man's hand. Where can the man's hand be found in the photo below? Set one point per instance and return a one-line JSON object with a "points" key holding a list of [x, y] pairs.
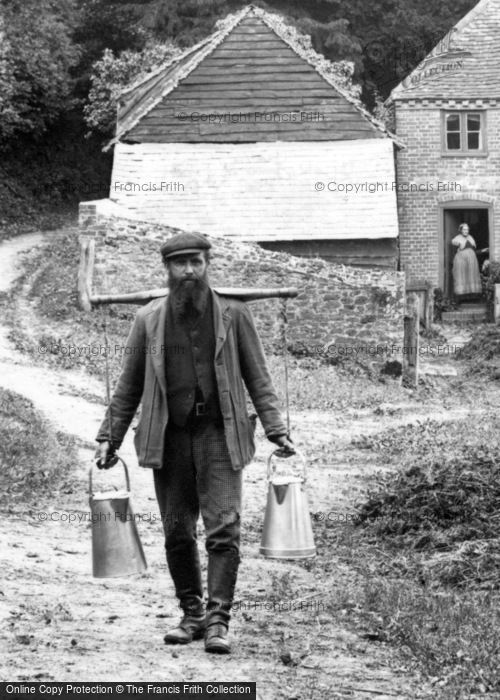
{"points": [[286, 447], [105, 457]]}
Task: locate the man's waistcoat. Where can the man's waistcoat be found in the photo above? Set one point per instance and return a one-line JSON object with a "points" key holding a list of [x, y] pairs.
{"points": [[189, 365]]}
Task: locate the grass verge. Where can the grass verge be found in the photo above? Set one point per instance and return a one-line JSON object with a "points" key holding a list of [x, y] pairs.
{"points": [[32, 221], [35, 460]]}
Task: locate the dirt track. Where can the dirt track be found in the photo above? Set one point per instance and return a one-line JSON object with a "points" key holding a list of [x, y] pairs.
{"points": [[58, 623]]}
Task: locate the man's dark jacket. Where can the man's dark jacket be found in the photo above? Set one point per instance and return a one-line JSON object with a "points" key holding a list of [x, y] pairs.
{"points": [[239, 358]]}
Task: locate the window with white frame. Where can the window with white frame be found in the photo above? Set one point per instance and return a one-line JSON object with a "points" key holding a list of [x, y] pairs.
{"points": [[464, 133]]}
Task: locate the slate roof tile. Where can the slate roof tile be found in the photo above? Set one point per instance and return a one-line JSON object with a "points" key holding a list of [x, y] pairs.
{"points": [[464, 65]]}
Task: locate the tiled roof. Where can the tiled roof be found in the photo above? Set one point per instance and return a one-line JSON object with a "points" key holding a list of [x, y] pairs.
{"points": [[139, 99], [464, 65]]}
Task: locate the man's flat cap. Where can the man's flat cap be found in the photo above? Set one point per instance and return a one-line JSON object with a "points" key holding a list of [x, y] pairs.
{"points": [[183, 243]]}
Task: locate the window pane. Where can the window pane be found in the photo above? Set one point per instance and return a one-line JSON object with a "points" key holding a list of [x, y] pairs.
{"points": [[453, 141], [453, 122], [473, 122], [473, 141]]}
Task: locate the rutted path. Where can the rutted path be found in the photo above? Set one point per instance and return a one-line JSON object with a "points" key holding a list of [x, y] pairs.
{"points": [[9, 254], [58, 623], [54, 393]]}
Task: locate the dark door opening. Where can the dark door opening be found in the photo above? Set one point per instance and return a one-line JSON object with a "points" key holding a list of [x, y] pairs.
{"points": [[478, 222]]}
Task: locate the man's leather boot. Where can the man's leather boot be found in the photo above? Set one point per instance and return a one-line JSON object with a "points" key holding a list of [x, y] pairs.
{"points": [[222, 575], [216, 641], [190, 627], [185, 569]]}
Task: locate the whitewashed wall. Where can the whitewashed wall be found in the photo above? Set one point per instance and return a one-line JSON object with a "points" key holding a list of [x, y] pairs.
{"points": [[261, 191]]}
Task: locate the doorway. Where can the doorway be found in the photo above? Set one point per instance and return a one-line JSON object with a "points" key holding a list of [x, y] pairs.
{"points": [[478, 220]]}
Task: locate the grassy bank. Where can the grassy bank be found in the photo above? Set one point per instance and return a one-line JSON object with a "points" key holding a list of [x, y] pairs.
{"points": [[49, 221], [35, 460]]}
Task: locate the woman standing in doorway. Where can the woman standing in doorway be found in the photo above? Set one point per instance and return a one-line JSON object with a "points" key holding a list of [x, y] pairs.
{"points": [[466, 277]]}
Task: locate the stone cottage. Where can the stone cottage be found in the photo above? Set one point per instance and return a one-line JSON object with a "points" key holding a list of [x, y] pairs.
{"points": [[447, 113], [248, 135]]}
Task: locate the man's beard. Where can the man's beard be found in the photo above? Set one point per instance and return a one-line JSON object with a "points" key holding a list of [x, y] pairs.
{"points": [[188, 299]]}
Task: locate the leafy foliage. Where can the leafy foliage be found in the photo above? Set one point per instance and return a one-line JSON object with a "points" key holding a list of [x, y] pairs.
{"points": [[101, 25], [490, 277], [442, 303], [112, 73], [185, 21], [396, 36], [36, 55]]}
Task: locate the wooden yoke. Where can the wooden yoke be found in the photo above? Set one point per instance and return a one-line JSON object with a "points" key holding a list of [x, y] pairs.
{"points": [[88, 300], [242, 293]]}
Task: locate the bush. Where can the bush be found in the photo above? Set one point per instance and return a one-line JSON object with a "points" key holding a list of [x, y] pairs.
{"points": [[489, 279], [112, 74], [442, 303]]}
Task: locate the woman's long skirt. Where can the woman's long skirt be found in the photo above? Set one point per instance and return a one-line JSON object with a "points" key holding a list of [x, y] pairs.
{"points": [[466, 277]]}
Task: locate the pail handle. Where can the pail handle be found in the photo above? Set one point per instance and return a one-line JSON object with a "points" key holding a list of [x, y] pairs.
{"points": [[271, 468], [127, 478]]}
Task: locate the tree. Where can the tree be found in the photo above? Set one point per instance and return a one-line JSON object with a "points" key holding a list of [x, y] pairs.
{"points": [[36, 56], [106, 24], [396, 35]]}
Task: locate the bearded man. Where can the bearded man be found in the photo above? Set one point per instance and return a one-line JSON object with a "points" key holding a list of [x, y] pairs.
{"points": [[188, 358]]}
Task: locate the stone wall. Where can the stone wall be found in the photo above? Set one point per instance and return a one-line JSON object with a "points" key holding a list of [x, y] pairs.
{"points": [[340, 312]]}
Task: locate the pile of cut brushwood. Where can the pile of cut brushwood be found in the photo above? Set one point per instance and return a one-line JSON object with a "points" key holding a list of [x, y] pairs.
{"points": [[444, 502], [483, 351]]}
